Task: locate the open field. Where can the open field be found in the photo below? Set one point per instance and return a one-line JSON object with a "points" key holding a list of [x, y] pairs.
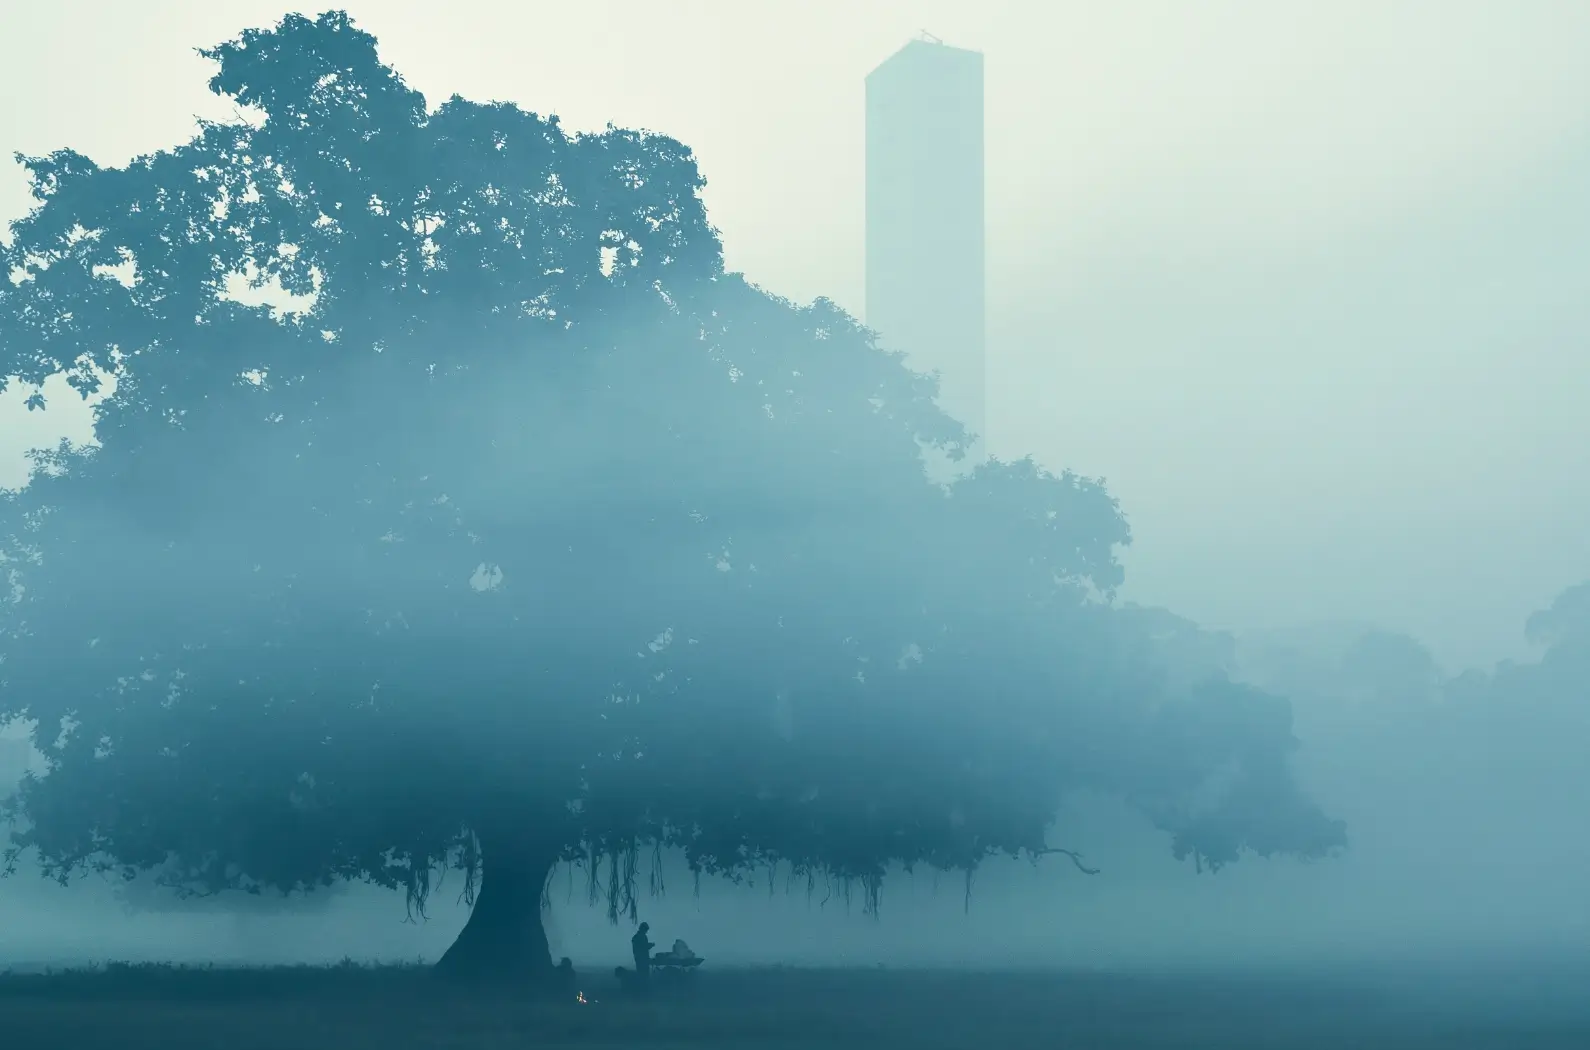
{"points": [[357, 1008]]}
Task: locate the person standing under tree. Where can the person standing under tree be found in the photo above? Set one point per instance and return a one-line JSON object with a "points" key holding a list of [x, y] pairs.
{"points": [[642, 947]]}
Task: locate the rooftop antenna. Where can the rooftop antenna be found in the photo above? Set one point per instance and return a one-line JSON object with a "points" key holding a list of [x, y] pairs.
{"points": [[929, 37]]}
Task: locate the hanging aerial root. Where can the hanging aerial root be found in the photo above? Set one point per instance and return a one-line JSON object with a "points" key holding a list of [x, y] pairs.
{"points": [[657, 886], [1076, 859]]}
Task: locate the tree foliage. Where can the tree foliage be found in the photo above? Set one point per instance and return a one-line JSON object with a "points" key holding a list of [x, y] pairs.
{"points": [[453, 505], [1484, 748]]}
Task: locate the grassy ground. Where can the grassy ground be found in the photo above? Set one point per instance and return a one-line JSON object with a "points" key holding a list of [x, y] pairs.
{"points": [[390, 1008]]}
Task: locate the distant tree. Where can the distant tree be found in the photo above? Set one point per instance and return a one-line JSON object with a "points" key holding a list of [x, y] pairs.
{"points": [[507, 529], [1394, 741], [1344, 671], [1546, 701], [1386, 668], [1564, 626]]}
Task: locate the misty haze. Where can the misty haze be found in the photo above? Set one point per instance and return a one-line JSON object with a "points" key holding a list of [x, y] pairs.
{"points": [[1063, 527]]}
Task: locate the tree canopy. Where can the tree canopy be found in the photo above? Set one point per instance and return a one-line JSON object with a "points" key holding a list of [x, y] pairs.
{"points": [[453, 505], [1485, 749]]}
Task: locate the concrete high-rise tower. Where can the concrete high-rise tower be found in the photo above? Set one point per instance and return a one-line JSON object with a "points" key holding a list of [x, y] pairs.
{"points": [[925, 285]]}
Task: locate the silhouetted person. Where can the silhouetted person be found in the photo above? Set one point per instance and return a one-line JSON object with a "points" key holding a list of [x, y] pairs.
{"points": [[642, 946], [564, 978]]}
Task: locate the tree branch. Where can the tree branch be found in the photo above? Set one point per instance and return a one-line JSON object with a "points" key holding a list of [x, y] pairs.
{"points": [[1076, 858]]}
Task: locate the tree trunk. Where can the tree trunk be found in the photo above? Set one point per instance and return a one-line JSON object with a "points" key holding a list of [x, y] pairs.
{"points": [[504, 938]]}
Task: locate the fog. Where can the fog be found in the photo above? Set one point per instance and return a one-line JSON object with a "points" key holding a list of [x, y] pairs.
{"points": [[1306, 283]]}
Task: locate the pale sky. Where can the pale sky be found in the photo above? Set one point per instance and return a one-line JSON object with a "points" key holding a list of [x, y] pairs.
{"points": [[1309, 283]]}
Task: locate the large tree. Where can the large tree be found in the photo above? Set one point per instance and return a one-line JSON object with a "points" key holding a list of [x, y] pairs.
{"points": [[454, 506]]}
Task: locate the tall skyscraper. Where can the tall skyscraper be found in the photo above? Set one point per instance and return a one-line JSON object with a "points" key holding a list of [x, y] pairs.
{"points": [[925, 285]]}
